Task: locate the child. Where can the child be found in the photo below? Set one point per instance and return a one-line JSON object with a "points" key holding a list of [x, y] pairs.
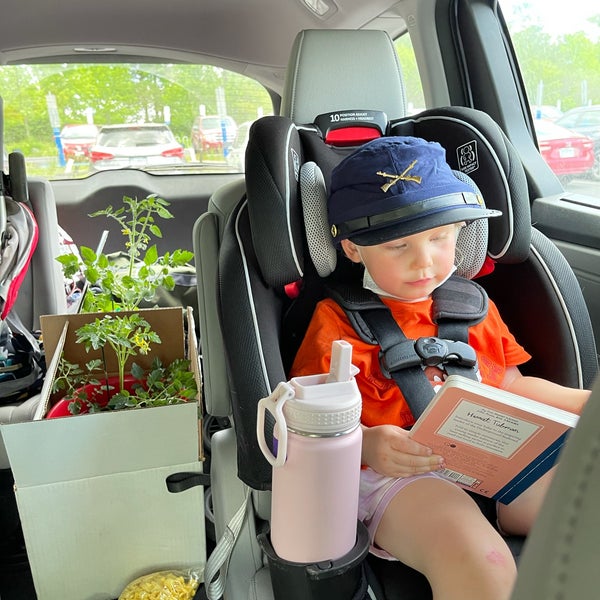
{"points": [[396, 207]]}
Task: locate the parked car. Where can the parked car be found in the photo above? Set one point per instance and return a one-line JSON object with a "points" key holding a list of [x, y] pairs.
{"points": [[567, 153], [585, 120], [77, 140], [237, 153], [212, 133], [135, 146]]}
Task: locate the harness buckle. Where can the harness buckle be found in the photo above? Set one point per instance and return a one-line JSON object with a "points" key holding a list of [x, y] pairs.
{"points": [[428, 351], [435, 351]]}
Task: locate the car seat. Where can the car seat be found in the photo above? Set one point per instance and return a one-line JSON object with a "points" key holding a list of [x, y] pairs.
{"points": [[250, 325], [41, 292], [42, 289]]}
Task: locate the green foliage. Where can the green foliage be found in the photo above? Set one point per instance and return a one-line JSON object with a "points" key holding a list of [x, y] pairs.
{"points": [[124, 288], [115, 289], [127, 335], [161, 386]]}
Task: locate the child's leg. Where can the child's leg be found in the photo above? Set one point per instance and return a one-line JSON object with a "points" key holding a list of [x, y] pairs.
{"points": [[436, 528], [517, 517]]}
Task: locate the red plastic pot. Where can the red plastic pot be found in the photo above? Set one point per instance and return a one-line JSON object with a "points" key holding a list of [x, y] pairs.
{"points": [[97, 393]]}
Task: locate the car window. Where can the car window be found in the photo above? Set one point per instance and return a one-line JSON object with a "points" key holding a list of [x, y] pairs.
{"points": [[47, 107], [559, 57], [415, 100]]}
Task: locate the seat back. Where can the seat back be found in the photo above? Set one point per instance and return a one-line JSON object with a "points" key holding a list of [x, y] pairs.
{"points": [[560, 557]]}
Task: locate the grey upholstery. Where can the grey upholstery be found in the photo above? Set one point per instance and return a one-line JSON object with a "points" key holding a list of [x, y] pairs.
{"points": [[340, 70], [207, 234], [562, 552], [42, 291]]}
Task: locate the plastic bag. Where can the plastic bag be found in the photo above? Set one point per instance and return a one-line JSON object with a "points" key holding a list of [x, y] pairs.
{"points": [[163, 585]]}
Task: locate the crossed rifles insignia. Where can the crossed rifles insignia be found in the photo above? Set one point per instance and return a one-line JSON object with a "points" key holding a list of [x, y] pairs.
{"points": [[394, 179]]}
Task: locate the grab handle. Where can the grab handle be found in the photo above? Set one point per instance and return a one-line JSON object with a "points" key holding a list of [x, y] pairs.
{"points": [[274, 404]]}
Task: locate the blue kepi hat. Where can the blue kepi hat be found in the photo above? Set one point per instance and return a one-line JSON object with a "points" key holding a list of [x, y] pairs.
{"points": [[393, 187]]}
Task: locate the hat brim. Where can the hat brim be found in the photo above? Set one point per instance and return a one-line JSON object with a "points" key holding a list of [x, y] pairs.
{"points": [[404, 228]]}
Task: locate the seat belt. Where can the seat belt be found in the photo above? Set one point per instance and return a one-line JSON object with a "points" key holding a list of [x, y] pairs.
{"points": [[457, 305]]}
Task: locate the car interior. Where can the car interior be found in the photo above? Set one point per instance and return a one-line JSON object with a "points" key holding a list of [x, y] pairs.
{"points": [[263, 255]]}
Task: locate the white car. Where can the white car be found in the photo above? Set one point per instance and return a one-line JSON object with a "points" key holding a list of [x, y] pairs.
{"points": [[135, 146]]}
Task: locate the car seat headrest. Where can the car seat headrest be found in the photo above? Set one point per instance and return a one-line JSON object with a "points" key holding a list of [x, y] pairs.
{"points": [[331, 70], [471, 244], [273, 158], [475, 145], [313, 193]]}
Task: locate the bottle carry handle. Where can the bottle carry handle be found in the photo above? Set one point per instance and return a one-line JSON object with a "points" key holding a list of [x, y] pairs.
{"points": [[274, 404]]}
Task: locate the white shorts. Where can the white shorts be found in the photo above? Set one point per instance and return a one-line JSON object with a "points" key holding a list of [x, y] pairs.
{"points": [[376, 492]]}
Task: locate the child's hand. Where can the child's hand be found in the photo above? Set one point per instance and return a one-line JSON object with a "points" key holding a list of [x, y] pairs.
{"points": [[389, 450]]}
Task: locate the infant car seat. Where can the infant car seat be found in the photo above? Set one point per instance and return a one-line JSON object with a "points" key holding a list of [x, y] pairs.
{"points": [[41, 290], [251, 325]]}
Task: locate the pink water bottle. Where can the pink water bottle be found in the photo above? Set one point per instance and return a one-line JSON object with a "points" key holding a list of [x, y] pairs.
{"points": [[316, 464]]}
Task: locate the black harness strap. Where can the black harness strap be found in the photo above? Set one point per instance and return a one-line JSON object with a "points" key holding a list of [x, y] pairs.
{"points": [[457, 305]]}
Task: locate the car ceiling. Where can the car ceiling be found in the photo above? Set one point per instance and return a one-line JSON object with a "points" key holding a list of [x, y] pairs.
{"points": [[253, 37]]}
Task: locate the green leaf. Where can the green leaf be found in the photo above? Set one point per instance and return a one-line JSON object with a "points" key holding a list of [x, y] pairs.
{"points": [[151, 255], [87, 254], [155, 229]]}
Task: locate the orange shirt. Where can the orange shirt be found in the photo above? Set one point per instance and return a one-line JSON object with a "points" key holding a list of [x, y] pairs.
{"points": [[383, 402]]}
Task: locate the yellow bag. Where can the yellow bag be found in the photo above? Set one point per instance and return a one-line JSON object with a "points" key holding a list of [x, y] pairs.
{"points": [[163, 585]]}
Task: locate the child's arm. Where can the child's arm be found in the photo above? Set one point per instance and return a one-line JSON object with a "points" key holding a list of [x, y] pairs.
{"points": [[389, 450], [542, 390]]}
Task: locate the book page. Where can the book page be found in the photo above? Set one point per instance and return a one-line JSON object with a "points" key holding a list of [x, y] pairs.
{"points": [[486, 428]]}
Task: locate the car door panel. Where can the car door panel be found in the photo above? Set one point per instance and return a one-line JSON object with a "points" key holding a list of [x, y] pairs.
{"points": [[572, 222]]}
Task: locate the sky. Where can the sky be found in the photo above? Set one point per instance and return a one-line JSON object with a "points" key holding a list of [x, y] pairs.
{"points": [[553, 20]]}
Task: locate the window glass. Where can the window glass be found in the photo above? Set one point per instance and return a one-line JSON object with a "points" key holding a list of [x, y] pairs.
{"points": [[410, 74], [62, 117], [559, 57]]}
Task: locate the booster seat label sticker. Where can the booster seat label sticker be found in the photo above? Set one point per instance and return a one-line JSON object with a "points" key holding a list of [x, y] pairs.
{"points": [[466, 155], [295, 163]]}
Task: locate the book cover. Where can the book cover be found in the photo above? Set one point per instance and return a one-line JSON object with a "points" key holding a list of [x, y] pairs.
{"points": [[494, 443]]}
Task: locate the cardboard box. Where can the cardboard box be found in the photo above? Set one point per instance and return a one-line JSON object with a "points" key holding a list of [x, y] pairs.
{"points": [[91, 491]]}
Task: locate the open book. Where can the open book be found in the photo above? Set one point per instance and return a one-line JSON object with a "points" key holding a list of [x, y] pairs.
{"points": [[494, 443]]}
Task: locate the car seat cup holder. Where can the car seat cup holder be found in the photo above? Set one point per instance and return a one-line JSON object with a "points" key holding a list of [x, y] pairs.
{"points": [[340, 579]]}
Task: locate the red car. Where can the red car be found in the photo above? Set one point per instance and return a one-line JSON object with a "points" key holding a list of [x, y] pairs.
{"points": [[77, 140], [567, 153], [212, 133]]}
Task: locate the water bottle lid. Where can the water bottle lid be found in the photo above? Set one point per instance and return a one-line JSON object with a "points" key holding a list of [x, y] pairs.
{"points": [[323, 409], [328, 404]]}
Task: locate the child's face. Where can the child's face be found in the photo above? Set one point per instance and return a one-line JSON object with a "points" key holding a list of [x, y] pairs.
{"points": [[410, 267]]}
